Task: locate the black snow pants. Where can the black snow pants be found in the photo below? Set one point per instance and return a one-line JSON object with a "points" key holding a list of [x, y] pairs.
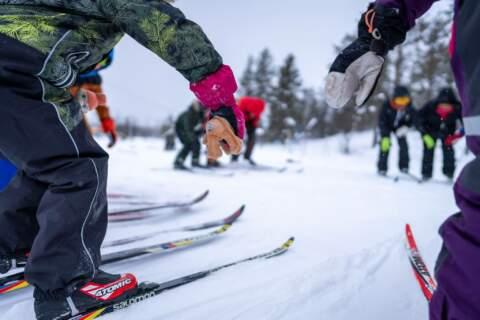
{"points": [[191, 144], [403, 157], [448, 161], [250, 143], [251, 140], [56, 206]]}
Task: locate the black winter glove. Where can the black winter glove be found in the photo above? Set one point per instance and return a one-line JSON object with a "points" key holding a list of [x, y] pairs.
{"points": [[356, 70]]}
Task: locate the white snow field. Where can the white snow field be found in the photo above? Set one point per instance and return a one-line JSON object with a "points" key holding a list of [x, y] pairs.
{"points": [[348, 260]]}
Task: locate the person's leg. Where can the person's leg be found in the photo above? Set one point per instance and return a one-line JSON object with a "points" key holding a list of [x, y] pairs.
{"points": [[404, 156], [427, 162], [382, 163], [251, 139], [458, 293], [68, 168], [448, 160], [183, 153], [196, 147]]}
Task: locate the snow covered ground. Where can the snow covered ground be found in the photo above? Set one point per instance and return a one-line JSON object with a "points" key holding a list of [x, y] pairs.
{"points": [[348, 261]]}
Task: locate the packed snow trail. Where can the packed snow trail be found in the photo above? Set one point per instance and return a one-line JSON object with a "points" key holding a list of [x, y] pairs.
{"points": [[349, 258]]}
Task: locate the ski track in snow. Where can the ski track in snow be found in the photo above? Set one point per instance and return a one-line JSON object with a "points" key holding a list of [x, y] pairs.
{"points": [[348, 260]]}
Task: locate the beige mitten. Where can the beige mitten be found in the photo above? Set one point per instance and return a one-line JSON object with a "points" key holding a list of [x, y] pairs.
{"points": [[220, 136]]}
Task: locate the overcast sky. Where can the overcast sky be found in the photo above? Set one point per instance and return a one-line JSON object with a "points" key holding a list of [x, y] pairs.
{"points": [[142, 86]]}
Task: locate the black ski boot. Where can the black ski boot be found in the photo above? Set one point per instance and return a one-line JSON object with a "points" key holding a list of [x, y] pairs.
{"points": [[17, 261], [426, 178], [382, 173], [449, 175], [180, 166], [104, 289], [5, 265], [196, 164], [214, 164], [251, 162]]}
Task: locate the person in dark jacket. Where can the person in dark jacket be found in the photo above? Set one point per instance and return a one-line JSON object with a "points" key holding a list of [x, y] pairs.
{"points": [[189, 128], [440, 119], [354, 75], [396, 117], [56, 206]]}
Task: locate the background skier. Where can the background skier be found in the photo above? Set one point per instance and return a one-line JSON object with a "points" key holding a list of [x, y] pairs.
{"points": [[92, 81], [440, 119], [354, 75], [252, 108], [396, 117], [189, 127], [57, 205], [170, 135]]}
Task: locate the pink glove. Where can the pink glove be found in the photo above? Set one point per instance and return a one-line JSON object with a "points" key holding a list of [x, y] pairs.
{"points": [[216, 91]]}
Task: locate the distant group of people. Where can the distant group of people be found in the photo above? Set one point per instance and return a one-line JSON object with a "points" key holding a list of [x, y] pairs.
{"points": [[439, 120], [190, 126]]}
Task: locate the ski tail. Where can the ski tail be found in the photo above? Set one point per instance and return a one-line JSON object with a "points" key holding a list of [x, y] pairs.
{"points": [[190, 203], [149, 290], [423, 276]]}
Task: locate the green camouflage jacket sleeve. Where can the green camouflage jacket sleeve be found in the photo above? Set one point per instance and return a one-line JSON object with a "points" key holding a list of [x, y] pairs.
{"points": [[164, 29]]}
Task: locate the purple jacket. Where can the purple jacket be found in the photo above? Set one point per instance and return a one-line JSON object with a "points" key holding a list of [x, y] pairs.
{"points": [[458, 293], [412, 8]]}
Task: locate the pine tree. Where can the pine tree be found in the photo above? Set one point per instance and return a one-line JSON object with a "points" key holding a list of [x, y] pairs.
{"points": [[247, 81], [264, 75], [432, 70], [286, 112]]}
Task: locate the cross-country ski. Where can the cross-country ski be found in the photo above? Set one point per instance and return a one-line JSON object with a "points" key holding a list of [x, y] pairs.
{"points": [[149, 290], [168, 205], [205, 225], [420, 270]]}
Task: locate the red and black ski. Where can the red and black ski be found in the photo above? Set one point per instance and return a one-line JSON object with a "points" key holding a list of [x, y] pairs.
{"points": [[427, 283]]}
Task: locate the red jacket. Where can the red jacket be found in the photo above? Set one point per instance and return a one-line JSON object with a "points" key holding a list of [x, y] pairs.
{"points": [[252, 108]]}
